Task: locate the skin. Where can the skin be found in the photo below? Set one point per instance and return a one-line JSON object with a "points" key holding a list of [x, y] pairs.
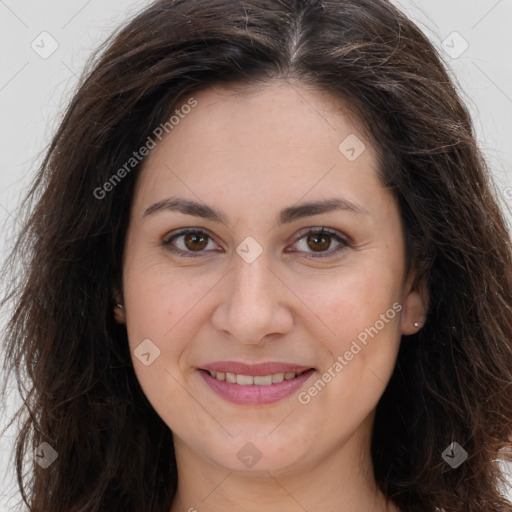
{"points": [[251, 153]]}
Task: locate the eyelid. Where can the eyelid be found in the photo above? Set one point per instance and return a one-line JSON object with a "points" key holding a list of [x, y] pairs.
{"points": [[166, 240], [340, 237], [333, 233], [184, 231]]}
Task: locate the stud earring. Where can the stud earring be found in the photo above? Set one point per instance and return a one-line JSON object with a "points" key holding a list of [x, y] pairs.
{"points": [[416, 324], [119, 313]]}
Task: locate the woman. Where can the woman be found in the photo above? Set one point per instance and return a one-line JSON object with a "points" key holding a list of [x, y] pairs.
{"points": [[266, 271]]}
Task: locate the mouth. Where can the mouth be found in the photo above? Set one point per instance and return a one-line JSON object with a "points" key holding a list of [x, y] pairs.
{"points": [[255, 384], [256, 380]]}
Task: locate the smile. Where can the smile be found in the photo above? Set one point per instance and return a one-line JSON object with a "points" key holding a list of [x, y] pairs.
{"points": [[257, 380], [262, 389]]}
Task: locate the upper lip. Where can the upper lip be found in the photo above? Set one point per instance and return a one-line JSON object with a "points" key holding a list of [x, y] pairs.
{"points": [[267, 368]]}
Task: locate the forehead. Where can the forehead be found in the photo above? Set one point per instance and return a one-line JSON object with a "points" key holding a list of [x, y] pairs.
{"points": [[276, 112], [277, 141]]}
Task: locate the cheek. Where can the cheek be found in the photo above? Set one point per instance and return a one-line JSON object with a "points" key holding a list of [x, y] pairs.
{"points": [[358, 326], [158, 300], [165, 307], [352, 301], [153, 314]]}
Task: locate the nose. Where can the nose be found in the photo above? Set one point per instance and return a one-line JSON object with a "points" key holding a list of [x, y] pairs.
{"points": [[253, 308]]}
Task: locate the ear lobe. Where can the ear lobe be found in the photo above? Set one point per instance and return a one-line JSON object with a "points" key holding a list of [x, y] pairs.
{"points": [[119, 312], [416, 304]]}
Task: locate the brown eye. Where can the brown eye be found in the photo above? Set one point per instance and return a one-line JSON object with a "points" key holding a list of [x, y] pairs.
{"points": [[190, 242], [195, 241], [319, 241]]}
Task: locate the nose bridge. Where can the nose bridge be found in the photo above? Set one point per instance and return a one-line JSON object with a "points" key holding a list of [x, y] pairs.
{"points": [[251, 281], [251, 307]]}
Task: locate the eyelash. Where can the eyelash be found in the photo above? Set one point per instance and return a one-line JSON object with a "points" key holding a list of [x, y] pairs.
{"points": [[166, 242]]}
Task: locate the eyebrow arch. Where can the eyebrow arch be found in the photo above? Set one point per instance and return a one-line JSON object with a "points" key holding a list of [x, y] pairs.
{"points": [[287, 215]]}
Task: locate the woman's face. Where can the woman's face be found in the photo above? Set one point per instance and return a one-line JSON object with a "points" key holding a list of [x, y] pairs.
{"points": [[257, 294]]}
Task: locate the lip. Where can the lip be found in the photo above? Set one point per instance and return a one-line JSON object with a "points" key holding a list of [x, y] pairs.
{"points": [[254, 394], [267, 368]]}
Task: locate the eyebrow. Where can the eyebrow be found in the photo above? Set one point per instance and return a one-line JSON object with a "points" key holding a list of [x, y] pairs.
{"points": [[287, 215]]}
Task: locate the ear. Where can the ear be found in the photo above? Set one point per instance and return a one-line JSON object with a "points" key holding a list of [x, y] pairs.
{"points": [[119, 312], [415, 303]]}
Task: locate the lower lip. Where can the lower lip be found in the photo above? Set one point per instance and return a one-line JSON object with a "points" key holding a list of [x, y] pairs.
{"points": [[255, 395]]}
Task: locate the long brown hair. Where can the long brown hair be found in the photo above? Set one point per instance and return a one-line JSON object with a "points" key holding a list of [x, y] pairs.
{"points": [[452, 381]]}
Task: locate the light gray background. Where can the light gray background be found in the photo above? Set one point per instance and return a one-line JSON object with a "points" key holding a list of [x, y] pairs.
{"points": [[35, 90]]}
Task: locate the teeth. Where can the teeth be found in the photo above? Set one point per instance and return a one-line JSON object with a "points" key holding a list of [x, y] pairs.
{"points": [[262, 380], [245, 380], [277, 377], [249, 380]]}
